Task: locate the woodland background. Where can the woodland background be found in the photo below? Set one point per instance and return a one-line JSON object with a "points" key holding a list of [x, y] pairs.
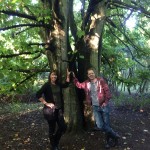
{"points": [[37, 36]]}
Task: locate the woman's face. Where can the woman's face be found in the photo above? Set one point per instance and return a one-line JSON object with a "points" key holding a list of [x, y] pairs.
{"points": [[53, 77]]}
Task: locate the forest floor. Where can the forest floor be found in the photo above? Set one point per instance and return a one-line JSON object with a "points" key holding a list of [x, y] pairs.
{"points": [[28, 131]]}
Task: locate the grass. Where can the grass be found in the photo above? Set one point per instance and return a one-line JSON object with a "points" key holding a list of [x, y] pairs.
{"points": [[18, 107], [134, 100]]}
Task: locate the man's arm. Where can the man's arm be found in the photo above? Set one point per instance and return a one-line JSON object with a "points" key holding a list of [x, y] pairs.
{"points": [[107, 94], [78, 84]]}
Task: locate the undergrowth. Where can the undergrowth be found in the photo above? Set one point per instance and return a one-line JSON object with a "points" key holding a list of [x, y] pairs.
{"points": [[18, 107], [142, 100]]}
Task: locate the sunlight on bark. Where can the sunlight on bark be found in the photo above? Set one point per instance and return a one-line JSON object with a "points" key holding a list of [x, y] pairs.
{"points": [[94, 18], [94, 40]]}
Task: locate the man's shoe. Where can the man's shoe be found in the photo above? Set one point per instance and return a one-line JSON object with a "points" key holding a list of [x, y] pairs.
{"points": [[55, 148], [117, 136], [58, 148], [112, 141], [114, 135], [96, 129], [107, 146]]}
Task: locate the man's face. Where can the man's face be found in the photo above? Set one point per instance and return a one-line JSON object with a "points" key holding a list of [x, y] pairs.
{"points": [[91, 74]]}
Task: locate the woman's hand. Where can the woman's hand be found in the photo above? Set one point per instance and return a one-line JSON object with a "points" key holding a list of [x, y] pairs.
{"points": [[51, 105], [104, 104], [73, 74], [68, 76], [68, 73]]}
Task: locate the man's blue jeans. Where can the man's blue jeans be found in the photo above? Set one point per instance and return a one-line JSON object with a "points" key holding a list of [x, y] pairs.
{"points": [[101, 115]]}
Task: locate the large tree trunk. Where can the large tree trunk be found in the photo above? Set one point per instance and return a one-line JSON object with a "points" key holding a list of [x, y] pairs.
{"points": [[93, 38], [90, 46], [57, 50], [57, 38], [57, 53]]}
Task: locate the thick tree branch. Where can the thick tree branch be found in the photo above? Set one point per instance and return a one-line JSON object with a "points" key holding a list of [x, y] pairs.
{"points": [[18, 14], [135, 7], [15, 55], [35, 70], [91, 7], [23, 25]]}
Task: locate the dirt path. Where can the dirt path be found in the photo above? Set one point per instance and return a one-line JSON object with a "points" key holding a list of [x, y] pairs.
{"points": [[29, 132]]}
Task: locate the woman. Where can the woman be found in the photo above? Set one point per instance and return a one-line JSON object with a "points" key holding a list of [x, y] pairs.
{"points": [[53, 107]]}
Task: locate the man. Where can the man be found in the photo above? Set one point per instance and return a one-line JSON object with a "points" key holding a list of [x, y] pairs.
{"points": [[98, 95]]}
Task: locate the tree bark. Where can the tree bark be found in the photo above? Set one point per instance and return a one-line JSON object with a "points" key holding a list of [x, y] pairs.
{"points": [[57, 54], [93, 39]]}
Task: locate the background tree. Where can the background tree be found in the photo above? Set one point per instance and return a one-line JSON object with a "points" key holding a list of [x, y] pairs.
{"points": [[37, 36]]}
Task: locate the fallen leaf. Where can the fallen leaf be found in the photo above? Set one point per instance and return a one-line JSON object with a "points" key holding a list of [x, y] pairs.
{"points": [[145, 130], [124, 137], [16, 135]]}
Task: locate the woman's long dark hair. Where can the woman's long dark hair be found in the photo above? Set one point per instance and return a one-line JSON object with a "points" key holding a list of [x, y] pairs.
{"points": [[55, 72]]}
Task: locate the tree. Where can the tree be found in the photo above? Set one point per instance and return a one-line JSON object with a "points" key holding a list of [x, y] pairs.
{"points": [[50, 34]]}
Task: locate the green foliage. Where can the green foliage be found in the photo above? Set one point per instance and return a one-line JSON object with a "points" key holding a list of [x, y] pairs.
{"points": [[80, 33], [143, 74], [134, 101], [124, 49], [15, 69], [18, 108]]}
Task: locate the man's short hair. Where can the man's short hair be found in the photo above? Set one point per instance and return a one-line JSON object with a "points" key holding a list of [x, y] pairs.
{"points": [[92, 68]]}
